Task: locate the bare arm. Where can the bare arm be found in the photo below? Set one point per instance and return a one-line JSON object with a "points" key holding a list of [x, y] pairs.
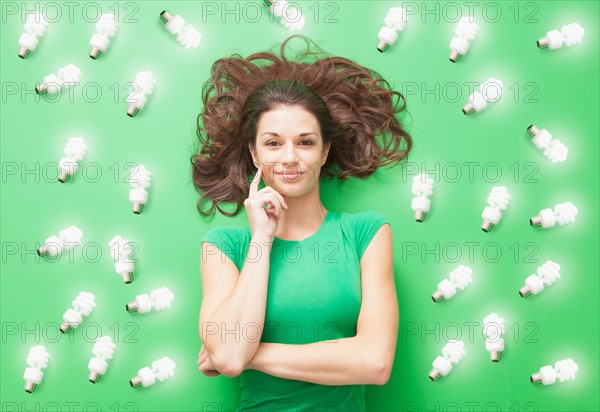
{"points": [[366, 358]]}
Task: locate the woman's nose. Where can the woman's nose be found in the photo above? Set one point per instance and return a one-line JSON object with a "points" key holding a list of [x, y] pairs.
{"points": [[289, 156]]}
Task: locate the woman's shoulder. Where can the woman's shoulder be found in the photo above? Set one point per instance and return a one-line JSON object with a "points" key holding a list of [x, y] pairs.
{"points": [[362, 217], [227, 234]]}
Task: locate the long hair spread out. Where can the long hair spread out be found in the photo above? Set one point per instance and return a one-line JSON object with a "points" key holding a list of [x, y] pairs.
{"points": [[355, 107]]}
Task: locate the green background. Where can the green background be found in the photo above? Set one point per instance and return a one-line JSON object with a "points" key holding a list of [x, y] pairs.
{"points": [[553, 89]]}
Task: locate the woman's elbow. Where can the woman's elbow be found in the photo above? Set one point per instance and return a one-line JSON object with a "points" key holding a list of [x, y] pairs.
{"points": [[228, 366], [381, 371]]}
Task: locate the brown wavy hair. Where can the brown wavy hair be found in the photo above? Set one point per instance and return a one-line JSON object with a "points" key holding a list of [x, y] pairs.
{"points": [[355, 107]]}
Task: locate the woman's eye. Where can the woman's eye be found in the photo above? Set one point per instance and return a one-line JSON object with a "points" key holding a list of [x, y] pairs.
{"points": [[304, 141]]}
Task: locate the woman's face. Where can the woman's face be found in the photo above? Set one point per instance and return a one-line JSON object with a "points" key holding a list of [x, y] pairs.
{"points": [[289, 148]]}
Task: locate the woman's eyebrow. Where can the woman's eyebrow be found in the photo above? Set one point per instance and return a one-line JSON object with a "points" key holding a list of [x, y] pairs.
{"points": [[301, 134]]}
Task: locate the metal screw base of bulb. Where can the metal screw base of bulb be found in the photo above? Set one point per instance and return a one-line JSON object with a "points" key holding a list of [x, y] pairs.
{"points": [[524, 292], [137, 208], [131, 307], [63, 176], [434, 374], [382, 46], [535, 221], [419, 216], [29, 387], [536, 378], [165, 16], [135, 381], [437, 296], [486, 226], [542, 43], [131, 111], [43, 250], [95, 53], [94, 377], [65, 327], [533, 130], [495, 356], [468, 108], [455, 56], [41, 88], [24, 52], [127, 277]]}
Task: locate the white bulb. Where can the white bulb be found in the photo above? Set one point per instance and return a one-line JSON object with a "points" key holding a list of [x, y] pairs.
{"points": [[140, 179], [67, 238], [569, 35], [65, 76], [564, 370], [291, 17], [83, 305], [494, 329], [105, 27], [497, 200], [120, 250], [144, 86], [74, 153], [465, 30], [564, 213], [460, 278], [489, 92], [422, 187], [37, 359], [104, 348], [35, 27], [394, 22], [161, 369], [547, 274], [453, 352], [554, 149], [187, 36], [158, 299]]}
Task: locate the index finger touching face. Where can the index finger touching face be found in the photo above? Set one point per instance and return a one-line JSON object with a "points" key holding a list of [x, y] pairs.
{"points": [[255, 182]]}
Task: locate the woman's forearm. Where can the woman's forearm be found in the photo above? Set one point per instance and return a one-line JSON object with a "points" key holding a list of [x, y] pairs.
{"points": [[347, 361], [232, 332]]}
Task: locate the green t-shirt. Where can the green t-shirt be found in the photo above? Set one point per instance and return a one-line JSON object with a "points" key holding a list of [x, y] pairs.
{"points": [[314, 294]]}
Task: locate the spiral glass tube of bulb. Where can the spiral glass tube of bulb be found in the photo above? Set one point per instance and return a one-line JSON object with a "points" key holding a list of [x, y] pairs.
{"points": [[67, 238], [35, 27], [563, 213], [489, 92], [104, 348], [466, 30], [564, 370], [460, 278], [497, 200], [162, 369], [554, 149], [569, 35], [120, 250], [493, 329], [187, 36], [83, 305], [66, 76], [37, 359], [422, 186], [105, 27], [144, 85], [452, 352], [547, 274], [394, 22], [140, 179], [74, 151], [158, 299], [291, 17]]}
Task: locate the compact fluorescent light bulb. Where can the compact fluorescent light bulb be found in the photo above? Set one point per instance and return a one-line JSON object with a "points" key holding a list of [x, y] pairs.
{"points": [[105, 27], [291, 17], [187, 36], [104, 348], [83, 305], [569, 35], [497, 200], [422, 187], [37, 359], [554, 149], [564, 370], [564, 213], [460, 278], [158, 299], [74, 153], [489, 92], [67, 238], [465, 30], [547, 274], [140, 179], [161, 369], [120, 250], [394, 22], [453, 352], [66, 76], [144, 86], [494, 329], [35, 27]]}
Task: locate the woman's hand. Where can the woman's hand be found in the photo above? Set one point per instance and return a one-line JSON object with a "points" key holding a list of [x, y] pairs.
{"points": [[263, 222], [205, 364]]}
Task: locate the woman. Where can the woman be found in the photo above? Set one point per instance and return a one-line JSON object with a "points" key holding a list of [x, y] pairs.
{"points": [[302, 305]]}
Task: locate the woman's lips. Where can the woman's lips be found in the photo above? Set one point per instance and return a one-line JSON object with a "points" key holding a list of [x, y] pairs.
{"points": [[290, 175]]}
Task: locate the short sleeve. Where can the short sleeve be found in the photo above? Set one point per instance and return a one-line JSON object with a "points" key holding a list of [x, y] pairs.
{"points": [[228, 241], [366, 226]]}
